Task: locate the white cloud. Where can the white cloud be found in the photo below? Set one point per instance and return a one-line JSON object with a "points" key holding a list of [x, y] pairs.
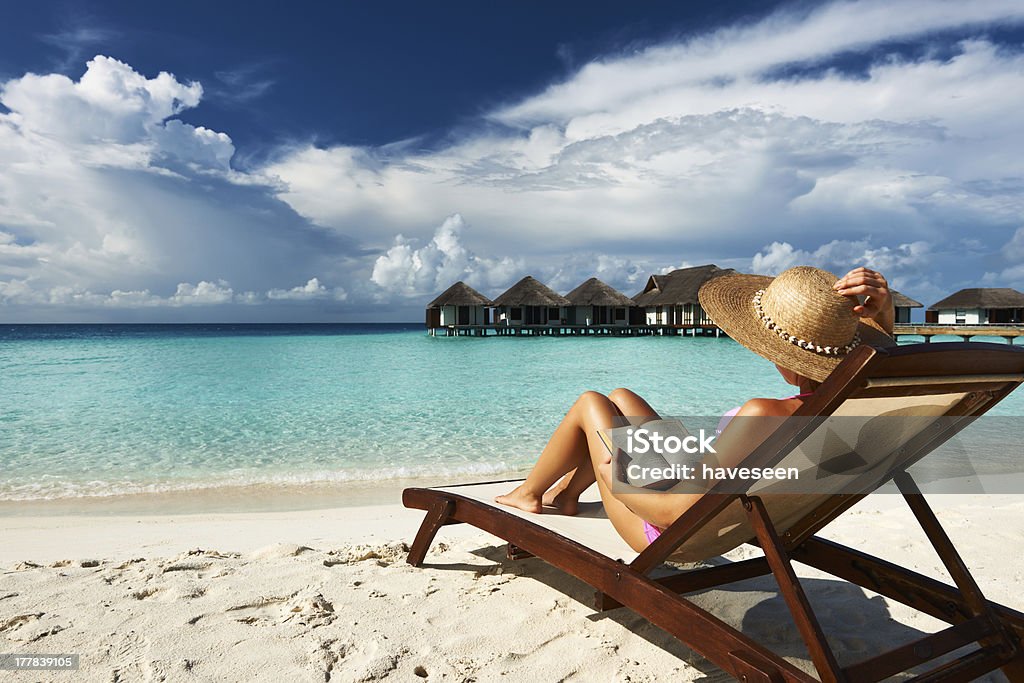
{"points": [[105, 198], [653, 82], [406, 270], [916, 269], [843, 255], [111, 101], [313, 289], [203, 293], [621, 273], [668, 269], [243, 83]]}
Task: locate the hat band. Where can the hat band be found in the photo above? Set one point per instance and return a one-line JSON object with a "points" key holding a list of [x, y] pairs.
{"points": [[797, 341]]}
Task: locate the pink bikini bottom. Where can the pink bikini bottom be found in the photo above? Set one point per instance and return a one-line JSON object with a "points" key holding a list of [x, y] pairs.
{"points": [[651, 532]]}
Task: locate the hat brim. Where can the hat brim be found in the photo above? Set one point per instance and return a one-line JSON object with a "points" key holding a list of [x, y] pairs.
{"points": [[729, 302]]}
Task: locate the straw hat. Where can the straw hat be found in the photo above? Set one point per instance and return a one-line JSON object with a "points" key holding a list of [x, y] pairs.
{"points": [[795, 320]]}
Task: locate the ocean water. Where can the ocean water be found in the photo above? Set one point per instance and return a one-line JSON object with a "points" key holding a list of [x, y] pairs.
{"points": [[95, 410]]}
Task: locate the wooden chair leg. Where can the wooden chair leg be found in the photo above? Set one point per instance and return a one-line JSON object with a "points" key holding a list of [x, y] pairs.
{"points": [[437, 516], [974, 600], [793, 593], [515, 553]]}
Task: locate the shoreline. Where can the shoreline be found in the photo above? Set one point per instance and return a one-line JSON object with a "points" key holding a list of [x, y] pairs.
{"points": [[242, 498]]}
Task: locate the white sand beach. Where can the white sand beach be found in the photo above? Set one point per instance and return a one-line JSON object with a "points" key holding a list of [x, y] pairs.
{"points": [[325, 594]]}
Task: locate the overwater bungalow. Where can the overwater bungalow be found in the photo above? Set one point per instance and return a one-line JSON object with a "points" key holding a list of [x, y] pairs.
{"points": [[903, 304], [459, 305], [978, 306], [597, 303], [671, 299], [530, 302]]}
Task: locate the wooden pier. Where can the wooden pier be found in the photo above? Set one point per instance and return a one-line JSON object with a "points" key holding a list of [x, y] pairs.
{"points": [[575, 330], [965, 332], [1009, 332]]}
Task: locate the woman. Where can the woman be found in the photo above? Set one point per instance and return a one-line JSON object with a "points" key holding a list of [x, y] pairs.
{"points": [[805, 321]]}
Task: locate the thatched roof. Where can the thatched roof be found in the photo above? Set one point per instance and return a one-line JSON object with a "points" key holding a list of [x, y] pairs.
{"points": [[460, 294], [679, 286], [593, 292], [530, 292], [982, 297], [903, 301]]}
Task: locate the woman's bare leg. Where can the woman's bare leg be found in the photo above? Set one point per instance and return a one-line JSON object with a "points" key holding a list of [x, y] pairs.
{"points": [[632, 404], [576, 445], [566, 450], [565, 495]]}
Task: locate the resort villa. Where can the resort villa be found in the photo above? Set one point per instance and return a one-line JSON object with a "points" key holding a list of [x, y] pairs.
{"points": [[978, 306], [671, 299], [668, 305], [530, 302], [460, 304], [596, 303], [903, 304]]}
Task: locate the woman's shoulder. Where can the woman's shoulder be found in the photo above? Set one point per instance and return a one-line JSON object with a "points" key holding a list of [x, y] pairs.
{"points": [[769, 407]]}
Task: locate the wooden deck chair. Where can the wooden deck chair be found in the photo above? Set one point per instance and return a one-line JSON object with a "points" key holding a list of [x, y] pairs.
{"points": [[955, 379]]}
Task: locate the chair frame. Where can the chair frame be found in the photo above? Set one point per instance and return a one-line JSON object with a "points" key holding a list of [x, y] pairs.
{"points": [[998, 630]]}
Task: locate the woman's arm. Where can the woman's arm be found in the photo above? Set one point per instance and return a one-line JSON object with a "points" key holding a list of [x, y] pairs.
{"points": [[878, 305]]}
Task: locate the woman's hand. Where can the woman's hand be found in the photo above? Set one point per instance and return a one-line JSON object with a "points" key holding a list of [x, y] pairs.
{"points": [[872, 285]]}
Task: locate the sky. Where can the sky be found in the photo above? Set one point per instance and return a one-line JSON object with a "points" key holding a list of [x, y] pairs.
{"points": [[345, 162]]}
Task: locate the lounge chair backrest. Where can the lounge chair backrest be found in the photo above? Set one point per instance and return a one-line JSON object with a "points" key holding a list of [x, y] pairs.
{"points": [[880, 411]]}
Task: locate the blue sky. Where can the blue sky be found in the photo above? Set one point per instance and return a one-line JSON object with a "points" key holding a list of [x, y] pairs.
{"points": [[347, 161]]}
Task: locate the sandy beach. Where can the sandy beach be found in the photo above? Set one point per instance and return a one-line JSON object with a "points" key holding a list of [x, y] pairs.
{"points": [[325, 594]]}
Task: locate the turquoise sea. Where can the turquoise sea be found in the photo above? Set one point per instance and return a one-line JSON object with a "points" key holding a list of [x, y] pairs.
{"points": [[100, 410]]}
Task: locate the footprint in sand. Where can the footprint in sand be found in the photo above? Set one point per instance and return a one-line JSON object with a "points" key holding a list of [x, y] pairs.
{"points": [[385, 555], [197, 560], [130, 655], [31, 627], [303, 609], [145, 593], [186, 590], [16, 622], [325, 656], [187, 566], [368, 661]]}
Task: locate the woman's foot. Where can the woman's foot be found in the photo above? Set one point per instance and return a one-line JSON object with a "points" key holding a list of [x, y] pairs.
{"points": [[558, 498], [522, 499]]}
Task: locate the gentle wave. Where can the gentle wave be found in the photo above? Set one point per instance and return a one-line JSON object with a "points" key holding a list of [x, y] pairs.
{"points": [[37, 491]]}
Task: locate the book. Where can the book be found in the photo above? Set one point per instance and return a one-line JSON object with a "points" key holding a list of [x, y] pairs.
{"points": [[656, 454]]}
